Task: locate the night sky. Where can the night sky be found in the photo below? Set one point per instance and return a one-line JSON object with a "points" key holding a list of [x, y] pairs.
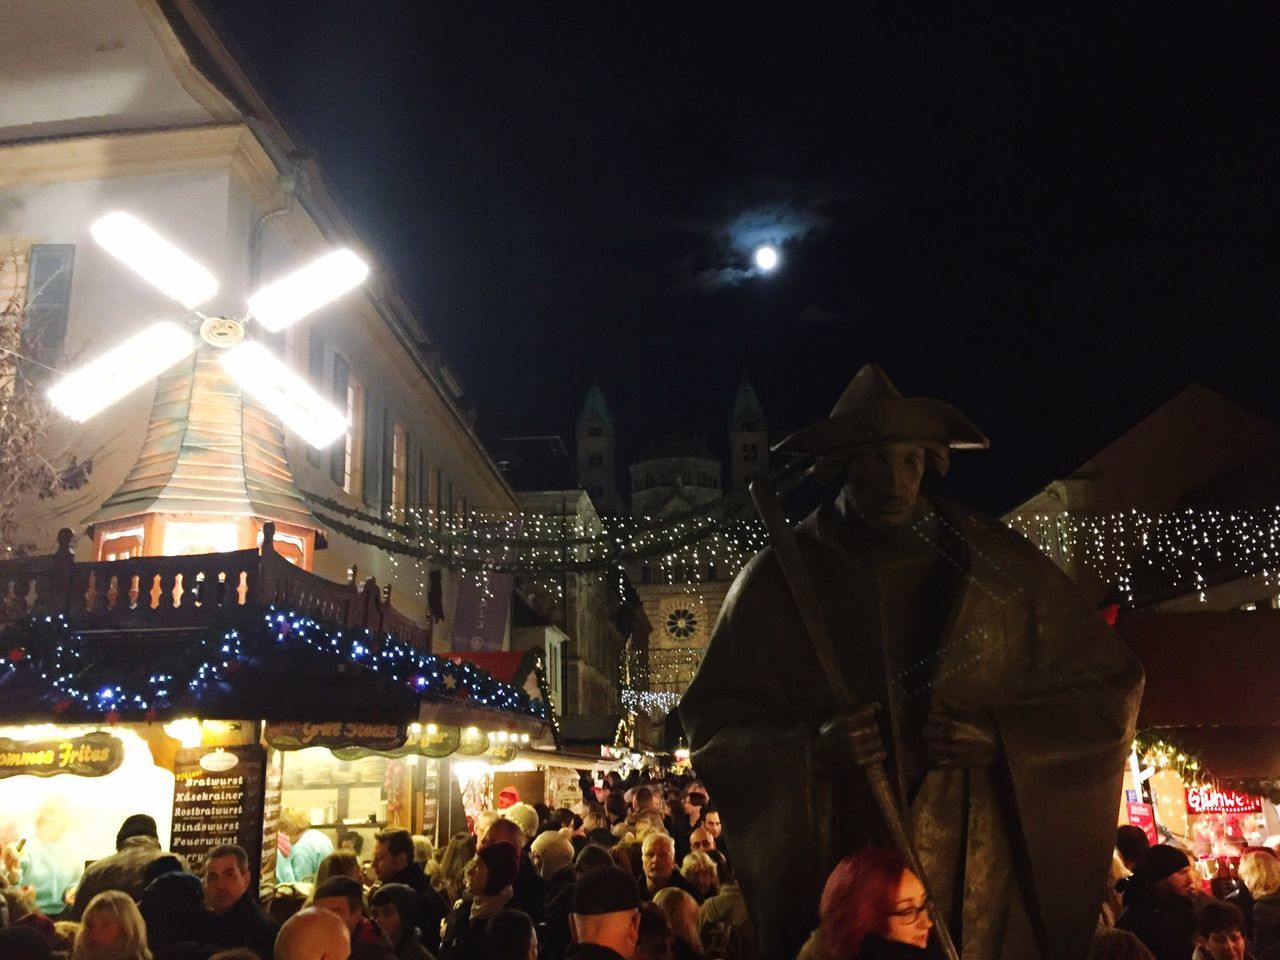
{"points": [[1054, 223]]}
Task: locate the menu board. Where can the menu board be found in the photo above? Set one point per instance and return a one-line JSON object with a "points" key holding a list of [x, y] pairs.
{"points": [[217, 799], [271, 799], [430, 797]]}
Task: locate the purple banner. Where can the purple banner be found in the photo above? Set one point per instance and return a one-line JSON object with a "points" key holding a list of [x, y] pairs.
{"points": [[484, 596]]}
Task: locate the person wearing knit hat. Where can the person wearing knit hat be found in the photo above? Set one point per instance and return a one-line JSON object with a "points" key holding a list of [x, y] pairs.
{"points": [[137, 847], [524, 817], [508, 797], [1158, 905], [487, 879], [605, 915]]}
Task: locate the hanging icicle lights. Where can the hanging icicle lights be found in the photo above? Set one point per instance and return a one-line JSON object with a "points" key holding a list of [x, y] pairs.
{"points": [[1183, 551]]}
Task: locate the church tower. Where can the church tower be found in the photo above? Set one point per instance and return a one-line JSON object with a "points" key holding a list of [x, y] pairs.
{"points": [[748, 439], [597, 443]]}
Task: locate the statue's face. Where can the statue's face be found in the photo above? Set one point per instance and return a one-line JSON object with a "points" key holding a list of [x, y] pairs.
{"points": [[882, 482]]}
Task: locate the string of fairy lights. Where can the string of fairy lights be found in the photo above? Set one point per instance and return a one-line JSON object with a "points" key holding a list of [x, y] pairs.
{"points": [[82, 678], [1181, 552], [1138, 553]]}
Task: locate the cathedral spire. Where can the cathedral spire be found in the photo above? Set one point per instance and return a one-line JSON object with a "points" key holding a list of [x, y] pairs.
{"points": [[597, 446], [748, 438]]}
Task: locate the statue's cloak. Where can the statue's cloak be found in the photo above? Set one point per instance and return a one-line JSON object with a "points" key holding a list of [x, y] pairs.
{"points": [[1016, 855]]}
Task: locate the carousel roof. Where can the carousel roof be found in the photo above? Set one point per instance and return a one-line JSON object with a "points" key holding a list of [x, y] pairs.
{"points": [[209, 451]]}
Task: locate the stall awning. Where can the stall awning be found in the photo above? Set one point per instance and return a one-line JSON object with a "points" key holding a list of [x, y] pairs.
{"points": [[262, 666], [1212, 679]]}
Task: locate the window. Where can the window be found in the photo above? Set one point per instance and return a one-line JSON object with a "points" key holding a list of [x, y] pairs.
{"points": [[750, 452], [595, 459], [48, 299], [424, 484], [594, 432], [353, 454], [121, 544], [399, 471], [315, 367], [747, 426]]}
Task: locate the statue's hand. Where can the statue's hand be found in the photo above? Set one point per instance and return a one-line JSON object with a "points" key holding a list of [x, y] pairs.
{"points": [[958, 735], [849, 739]]}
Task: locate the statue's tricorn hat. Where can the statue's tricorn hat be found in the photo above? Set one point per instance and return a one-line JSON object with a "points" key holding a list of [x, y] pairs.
{"points": [[873, 410]]}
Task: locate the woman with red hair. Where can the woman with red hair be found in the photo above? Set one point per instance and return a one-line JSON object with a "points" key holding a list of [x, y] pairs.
{"points": [[872, 908]]}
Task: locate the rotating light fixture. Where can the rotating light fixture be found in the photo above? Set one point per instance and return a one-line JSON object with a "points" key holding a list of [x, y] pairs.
{"points": [[127, 366]]}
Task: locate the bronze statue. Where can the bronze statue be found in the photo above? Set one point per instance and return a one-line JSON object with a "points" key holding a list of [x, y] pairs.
{"points": [[1001, 704]]}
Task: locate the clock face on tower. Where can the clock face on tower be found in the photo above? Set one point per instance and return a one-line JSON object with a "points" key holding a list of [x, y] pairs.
{"points": [[681, 623]]}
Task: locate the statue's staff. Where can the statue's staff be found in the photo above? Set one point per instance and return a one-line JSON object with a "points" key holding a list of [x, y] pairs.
{"points": [[786, 548]]}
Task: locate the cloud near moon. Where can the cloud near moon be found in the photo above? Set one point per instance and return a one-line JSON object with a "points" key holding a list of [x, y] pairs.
{"points": [[729, 261]]}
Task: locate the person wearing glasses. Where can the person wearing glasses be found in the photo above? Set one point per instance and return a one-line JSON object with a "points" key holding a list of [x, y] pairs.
{"points": [[872, 908]]}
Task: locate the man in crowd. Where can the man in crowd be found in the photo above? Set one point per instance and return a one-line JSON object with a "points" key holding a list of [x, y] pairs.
{"points": [[552, 854], [313, 934], [237, 920], [393, 862], [137, 847], [688, 821], [711, 823], [658, 856], [1131, 844], [529, 888], [701, 840], [606, 916], [344, 898]]}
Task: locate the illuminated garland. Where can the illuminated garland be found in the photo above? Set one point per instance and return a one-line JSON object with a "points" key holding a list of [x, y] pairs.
{"points": [[1163, 753], [48, 650]]}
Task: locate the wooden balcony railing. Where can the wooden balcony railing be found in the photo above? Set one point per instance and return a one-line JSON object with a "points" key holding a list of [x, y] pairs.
{"points": [[189, 591]]}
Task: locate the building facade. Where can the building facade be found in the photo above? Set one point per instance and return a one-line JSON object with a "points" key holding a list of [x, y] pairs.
{"points": [[682, 591], [162, 123]]}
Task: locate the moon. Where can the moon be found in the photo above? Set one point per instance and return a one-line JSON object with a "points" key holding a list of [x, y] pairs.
{"points": [[766, 258]]}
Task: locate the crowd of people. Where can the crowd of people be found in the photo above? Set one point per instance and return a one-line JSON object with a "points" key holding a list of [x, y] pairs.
{"points": [[637, 870], [1162, 908]]}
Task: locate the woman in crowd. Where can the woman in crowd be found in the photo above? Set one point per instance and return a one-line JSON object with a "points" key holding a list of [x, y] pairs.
{"points": [[448, 878], [392, 908], [488, 880], [681, 911], [700, 870], [1260, 871], [872, 908], [510, 936], [340, 863], [424, 853], [112, 929]]}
